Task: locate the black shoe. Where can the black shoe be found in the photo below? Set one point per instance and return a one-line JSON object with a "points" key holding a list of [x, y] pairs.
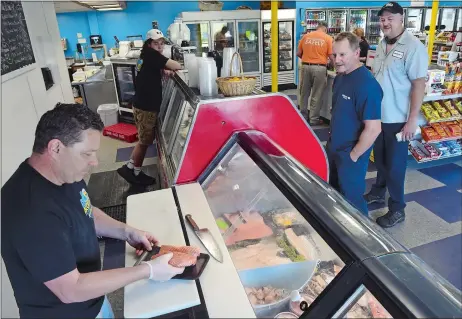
{"points": [[374, 199], [391, 219], [130, 177]]}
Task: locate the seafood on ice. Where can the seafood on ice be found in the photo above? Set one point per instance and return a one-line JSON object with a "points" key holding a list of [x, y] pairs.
{"points": [[183, 256], [265, 295]]}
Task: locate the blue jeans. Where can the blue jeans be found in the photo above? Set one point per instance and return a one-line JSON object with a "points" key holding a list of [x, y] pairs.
{"points": [[348, 177], [106, 310]]}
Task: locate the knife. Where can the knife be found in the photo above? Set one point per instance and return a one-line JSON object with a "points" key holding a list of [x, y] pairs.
{"points": [[206, 239]]}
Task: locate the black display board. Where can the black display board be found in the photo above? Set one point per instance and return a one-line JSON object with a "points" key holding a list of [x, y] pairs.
{"points": [[16, 47]]}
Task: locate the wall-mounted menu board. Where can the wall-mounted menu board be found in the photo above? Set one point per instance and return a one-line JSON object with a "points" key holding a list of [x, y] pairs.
{"points": [[16, 47]]}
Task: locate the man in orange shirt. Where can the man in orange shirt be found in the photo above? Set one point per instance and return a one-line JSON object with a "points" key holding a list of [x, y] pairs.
{"points": [[314, 49]]}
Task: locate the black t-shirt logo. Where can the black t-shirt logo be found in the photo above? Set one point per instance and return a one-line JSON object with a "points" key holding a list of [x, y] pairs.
{"points": [[86, 204]]}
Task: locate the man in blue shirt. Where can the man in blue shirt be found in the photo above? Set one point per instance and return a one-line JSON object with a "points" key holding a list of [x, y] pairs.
{"points": [[355, 122]]}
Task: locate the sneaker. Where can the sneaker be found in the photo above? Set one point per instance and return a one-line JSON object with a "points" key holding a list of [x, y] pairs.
{"points": [[130, 177], [391, 219], [374, 199]]}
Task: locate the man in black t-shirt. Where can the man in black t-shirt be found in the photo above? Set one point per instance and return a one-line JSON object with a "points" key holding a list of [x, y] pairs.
{"points": [[49, 227], [148, 98]]}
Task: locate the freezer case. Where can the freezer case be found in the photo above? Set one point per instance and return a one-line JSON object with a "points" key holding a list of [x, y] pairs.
{"points": [[124, 81], [288, 232]]}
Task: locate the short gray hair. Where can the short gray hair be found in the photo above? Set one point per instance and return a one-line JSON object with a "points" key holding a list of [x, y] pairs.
{"points": [[351, 37]]}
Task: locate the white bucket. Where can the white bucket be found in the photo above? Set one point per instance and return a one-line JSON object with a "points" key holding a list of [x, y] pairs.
{"points": [[108, 114]]}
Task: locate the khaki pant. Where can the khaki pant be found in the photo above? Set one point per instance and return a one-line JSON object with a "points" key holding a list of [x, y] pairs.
{"points": [[145, 122], [313, 82]]}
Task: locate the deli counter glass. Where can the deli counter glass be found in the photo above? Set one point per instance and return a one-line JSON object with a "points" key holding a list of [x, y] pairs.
{"points": [[291, 236]]}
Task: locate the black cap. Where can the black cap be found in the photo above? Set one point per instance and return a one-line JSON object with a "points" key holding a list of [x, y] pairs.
{"points": [[392, 7]]}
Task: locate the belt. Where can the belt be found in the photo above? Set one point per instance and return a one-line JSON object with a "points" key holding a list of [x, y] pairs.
{"points": [[306, 63]]}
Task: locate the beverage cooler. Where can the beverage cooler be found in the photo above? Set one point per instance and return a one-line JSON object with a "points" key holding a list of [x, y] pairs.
{"points": [[287, 47], [413, 20], [336, 21], [358, 19], [124, 81], [459, 20], [448, 18], [373, 32], [244, 34], [312, 18], [277, 222], [428, 17]]}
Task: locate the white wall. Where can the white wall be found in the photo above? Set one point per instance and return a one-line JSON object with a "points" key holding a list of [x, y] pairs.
{"points": [[24, 99]]}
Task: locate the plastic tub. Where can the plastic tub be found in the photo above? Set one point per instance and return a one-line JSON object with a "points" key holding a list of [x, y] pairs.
{"points": [[108, 114], [291, 276]]}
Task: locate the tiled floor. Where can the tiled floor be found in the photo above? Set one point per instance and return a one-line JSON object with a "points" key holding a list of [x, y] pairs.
{"points": [[433, 226]]}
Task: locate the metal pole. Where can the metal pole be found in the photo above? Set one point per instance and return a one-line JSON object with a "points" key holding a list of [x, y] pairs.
{"points": [[274, 46], [431, 33]]}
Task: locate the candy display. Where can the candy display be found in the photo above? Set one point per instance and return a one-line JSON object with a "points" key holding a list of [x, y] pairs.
{"points": [[424, 152], [451, 108], [442, 110], [453, 78], [449, 148], [430, 113], [430, 134]]}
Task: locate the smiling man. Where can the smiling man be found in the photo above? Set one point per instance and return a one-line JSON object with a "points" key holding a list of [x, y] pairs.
{"points": [[355, 122], [49, 227], [400, 66]]}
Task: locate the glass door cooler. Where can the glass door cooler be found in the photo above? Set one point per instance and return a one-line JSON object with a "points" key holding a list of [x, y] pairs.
{"points": [[200, 37], [448, 18], [358, 19], [124, 81], [373, 32], [414, 20], [312, 18], [287, 48], [336, 21], [248, 38]]}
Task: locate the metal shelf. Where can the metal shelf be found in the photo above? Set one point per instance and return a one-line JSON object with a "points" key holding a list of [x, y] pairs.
{"points": [[441, 97]]}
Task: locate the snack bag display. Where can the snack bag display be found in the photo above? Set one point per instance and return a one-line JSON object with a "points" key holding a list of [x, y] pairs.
{"points": [[430, 113], [441, 110], [429, 134], [458, 105], [451, 109], [455, 130], [439, 131]]}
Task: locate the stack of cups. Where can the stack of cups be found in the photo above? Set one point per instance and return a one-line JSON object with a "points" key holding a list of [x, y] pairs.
{"points": [[227, 56], [191, 64], [207, 77]]}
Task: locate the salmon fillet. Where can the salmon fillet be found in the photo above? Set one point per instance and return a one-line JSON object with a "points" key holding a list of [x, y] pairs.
{"points": [[179, 259], [190, 250]]}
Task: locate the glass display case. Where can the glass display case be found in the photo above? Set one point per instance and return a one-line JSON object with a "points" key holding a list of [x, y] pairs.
{"points": [[414, 19], [358, 19], [336, 21], [248, 40], [223, 35], [373, 32], [286, 49], [312, 18], [183, 127], [290, 234], [199, 37]]}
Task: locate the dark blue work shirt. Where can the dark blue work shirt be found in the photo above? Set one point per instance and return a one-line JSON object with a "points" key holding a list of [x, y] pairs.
{"points": [[356, 97]]}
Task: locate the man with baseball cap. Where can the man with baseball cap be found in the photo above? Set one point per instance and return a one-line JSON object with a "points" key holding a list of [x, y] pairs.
{"points": [[400, 66], [148, 98]]}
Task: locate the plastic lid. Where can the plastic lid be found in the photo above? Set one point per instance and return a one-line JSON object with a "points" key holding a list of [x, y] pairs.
{"points": [[295, 296]]}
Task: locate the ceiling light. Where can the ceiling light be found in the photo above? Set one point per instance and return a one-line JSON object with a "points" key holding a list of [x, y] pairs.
{"points": [[108, 9]]}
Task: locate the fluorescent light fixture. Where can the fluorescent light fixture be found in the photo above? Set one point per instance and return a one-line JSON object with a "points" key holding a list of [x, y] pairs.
{"points": [[108, 9]]}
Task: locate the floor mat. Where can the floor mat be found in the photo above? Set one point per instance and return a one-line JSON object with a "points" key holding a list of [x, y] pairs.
{"points": [[108, 189], [118, 212]]}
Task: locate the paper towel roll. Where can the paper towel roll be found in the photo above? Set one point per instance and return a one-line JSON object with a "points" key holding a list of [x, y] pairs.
{"points": [[227, 69]]}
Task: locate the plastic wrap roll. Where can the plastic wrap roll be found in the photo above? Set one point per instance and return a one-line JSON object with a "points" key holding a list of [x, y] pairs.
{"points": [[207, 77], [227, 69], [191, 64]]}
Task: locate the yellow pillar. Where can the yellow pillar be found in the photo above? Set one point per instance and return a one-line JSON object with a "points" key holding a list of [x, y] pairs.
{"points": [[431, 33], [274, 46]]}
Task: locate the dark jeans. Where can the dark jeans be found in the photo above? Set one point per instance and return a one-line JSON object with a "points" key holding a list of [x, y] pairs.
{"points": [[348, 177], [390, 157]]}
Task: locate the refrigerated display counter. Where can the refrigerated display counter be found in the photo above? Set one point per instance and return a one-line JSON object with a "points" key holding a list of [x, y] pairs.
{"points": [[185, 114]]}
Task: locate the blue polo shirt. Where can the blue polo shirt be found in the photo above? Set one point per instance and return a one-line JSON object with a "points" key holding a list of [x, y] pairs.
{"points": [[356, 97]]}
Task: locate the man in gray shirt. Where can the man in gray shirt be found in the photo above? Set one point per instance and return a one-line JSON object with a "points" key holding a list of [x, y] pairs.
{"points": [[400, 66]]}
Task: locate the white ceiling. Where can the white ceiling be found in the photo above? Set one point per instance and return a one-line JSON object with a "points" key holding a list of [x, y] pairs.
{"points": [[69, 6]]}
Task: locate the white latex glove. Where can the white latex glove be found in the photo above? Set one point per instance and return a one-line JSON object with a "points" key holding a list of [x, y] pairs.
{"points": [[161, 270]]}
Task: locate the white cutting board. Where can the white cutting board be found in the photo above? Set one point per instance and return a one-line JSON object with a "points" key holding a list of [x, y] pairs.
{"points": [[223, 291], [157, 213]]}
